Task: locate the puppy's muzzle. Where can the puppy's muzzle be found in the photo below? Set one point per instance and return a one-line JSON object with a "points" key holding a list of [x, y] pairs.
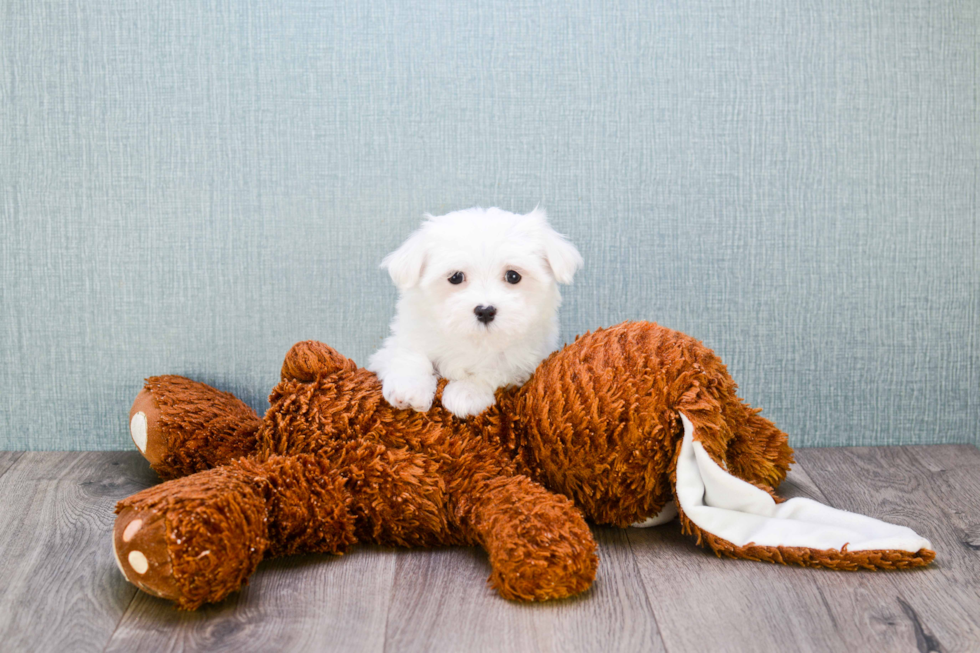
{"points": [[485, 313]]}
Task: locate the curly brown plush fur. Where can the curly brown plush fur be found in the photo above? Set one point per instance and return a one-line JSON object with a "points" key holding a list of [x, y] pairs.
{"points": [[593, 434]]}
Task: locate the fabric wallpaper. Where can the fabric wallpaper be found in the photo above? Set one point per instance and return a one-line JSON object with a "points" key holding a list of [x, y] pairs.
{"points": [[191, 187]]}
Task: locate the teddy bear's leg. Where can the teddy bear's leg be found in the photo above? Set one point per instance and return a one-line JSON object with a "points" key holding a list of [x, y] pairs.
{"points": [[182, 426], [196, 539], [538, 542]]}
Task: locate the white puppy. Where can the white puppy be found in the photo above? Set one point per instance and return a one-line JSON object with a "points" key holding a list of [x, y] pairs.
{"points": [[478, 306]]}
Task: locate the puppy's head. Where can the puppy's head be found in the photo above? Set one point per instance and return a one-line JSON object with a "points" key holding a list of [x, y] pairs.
{"points": [[484, 273]]}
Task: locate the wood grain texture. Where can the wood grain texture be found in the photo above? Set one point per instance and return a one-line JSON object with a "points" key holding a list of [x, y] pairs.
{"points": [[441, 602], [8, 458], [301, 603], [936, 492], [61, 588]]}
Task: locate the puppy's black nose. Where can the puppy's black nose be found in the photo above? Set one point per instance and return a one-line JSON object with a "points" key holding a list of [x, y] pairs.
{"points": [[485, 313]]}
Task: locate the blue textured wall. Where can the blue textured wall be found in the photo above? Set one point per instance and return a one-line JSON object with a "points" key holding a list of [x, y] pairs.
{"points": [[192, 188]]}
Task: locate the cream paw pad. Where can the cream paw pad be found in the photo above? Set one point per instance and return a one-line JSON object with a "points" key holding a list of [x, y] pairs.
{"points": [[139, 541], [144, 418]]}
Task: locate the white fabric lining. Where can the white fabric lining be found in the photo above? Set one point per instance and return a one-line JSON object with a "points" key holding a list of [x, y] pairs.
{"points": [[741, 513], [667, 513]]}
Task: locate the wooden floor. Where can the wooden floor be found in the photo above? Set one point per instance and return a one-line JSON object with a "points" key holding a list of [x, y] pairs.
{"points": [[656, 591]]}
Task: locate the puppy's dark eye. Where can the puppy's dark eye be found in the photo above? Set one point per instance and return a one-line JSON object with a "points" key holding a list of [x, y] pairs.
{"points": [[512, 276], [457, 278]]}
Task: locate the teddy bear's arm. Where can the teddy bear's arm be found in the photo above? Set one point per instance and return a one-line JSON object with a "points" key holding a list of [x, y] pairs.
{"points": [[539, 544], [182, 426]]}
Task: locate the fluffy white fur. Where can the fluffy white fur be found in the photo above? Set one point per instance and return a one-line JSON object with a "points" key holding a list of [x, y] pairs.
{"points": [[436, 332]]}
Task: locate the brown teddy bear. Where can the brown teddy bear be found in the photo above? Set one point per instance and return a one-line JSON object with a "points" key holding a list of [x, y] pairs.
{"points": [[613, 428]]}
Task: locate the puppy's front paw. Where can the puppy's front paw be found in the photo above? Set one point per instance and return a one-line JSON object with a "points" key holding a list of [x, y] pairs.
{"points": [[463, 398], [405, 391]]}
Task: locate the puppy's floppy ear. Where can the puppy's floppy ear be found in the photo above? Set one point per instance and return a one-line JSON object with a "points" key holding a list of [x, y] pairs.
{"points": [[562, 256], [406, 263]]}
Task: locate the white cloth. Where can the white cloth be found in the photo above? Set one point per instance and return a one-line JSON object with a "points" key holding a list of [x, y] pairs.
{"points": [[741, 513]]}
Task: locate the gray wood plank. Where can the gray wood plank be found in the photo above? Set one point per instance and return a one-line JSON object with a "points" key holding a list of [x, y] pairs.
{"points": [[863, 604], [936, 491], [62, 590], [300, 603], [799, 484], [706, 603], [441, 602], [8, 458]]}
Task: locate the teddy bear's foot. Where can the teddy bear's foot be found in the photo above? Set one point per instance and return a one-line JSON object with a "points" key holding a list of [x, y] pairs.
{"points": [[182, 426], [139, 543], [192, 540], [539, 545]]}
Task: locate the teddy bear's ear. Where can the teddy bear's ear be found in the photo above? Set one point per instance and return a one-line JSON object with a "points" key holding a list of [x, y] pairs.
{"points": [[562, 257], [307, 360], [406, 263]]}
